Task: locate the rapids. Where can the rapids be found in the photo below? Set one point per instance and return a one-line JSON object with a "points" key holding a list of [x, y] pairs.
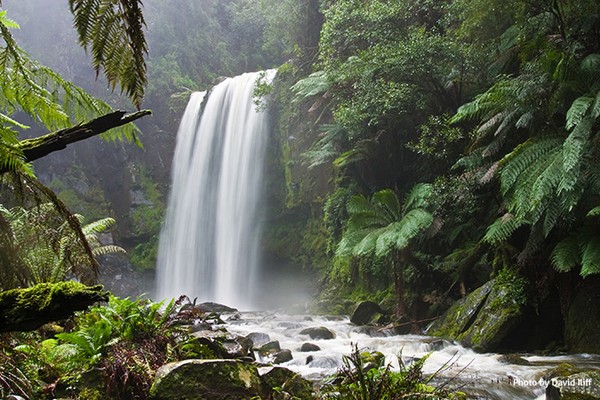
{"points": [[481, 376]]}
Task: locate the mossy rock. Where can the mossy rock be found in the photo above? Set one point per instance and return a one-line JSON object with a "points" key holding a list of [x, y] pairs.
{"points": [[461, 315], [582, 321], [206, 379], [286, 381], [498, 317], [484, 319]]}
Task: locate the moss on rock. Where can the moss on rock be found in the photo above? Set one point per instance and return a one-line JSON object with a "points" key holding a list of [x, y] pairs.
{"points": [[29, 309], [206, 379], [485, 318]]}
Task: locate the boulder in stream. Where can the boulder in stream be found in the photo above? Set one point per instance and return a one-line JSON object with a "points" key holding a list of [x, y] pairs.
{"points": [[306, 347], [289, 382], [318, 332], [366, 312], [206, 379], [283, 356], [210, 307]]}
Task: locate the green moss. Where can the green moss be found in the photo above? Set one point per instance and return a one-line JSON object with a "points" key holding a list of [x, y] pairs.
{"points": [[28, 309]]}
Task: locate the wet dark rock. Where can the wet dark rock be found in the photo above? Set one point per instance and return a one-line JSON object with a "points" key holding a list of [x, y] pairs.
{"points": [[282, 356], [582, 321], [206, 379], [210, 307], [269, 348], [306, 347], [319, 332], [234, 317], [258, 339], [366, 312], [483, 320], [288, 382]]}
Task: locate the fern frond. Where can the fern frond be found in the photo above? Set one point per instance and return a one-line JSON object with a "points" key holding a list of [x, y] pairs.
{"points": [[45, 96], [525, 154], [590, 259], [113, 31], [594, 212], [577, 111], [108, 249], [388, 202], [98, 226], [412, 224], [316, 83], [418, 196], [502, 228], [574, 149]]}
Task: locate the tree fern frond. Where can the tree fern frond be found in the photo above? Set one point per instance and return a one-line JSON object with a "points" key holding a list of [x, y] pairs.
{"points": [[595, 110], [577, 111], [517, 161], [388, 202], [502, 228], [418, 196], [113, 30], [107, 249], [566, 254], [590, 258], [98, 226], [575, 147], [594, 212], [316, 83], [350, 157]]}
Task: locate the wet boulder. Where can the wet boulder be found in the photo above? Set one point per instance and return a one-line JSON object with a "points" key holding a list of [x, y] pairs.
{"points": [[318, 332], [282, 356], [287, 382], [307, 347], [269, 348], [210, 307], [484, 319], [206, 379], [258, 339], [366, 312]]}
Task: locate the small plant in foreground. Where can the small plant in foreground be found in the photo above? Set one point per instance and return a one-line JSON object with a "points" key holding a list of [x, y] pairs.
{"points": [[364, 377]]}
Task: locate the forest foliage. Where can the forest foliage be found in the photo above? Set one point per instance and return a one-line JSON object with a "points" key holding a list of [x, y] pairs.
{"points": [[494, 104]]}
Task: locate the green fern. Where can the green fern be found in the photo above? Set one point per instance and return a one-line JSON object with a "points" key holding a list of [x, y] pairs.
{"points": [[113, 32], [316, 83], [502, 228], [578, 250]]}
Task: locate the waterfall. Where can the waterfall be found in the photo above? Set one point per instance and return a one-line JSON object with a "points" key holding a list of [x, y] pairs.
{"points": [[209, 244]]}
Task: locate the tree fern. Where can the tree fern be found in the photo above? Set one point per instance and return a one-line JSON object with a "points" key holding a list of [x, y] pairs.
{"points": [[502, 228]]}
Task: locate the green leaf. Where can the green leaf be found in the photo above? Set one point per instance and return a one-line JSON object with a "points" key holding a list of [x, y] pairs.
{"points": [[566, 255], [7, 22]]}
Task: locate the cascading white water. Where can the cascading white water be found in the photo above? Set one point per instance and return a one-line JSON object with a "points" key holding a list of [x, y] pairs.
{"points": [[209, 244]]}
